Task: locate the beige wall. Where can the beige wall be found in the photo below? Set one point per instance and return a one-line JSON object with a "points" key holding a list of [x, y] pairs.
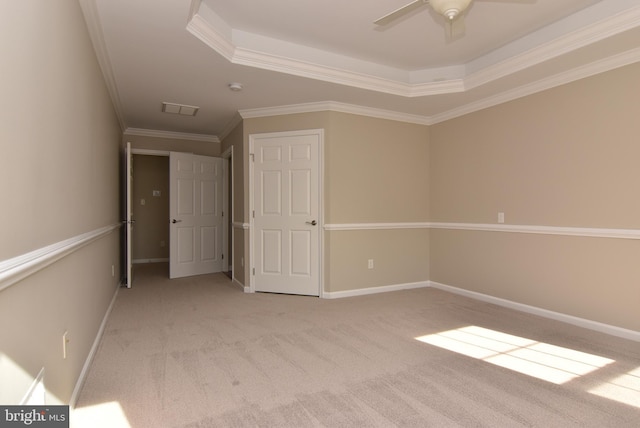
{"points": [[151, 230], [564, 157], [375, 171], [59, 168]]}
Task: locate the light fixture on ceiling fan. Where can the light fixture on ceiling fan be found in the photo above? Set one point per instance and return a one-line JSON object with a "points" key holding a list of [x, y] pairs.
{"points": [[452, 10]]}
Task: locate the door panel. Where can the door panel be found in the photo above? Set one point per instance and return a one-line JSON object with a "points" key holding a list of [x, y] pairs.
{"points": [[286, 203], [196, 215]]}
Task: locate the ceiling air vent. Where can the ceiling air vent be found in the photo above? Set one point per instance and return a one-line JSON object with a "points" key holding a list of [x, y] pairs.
{"points": [[182, 109]]}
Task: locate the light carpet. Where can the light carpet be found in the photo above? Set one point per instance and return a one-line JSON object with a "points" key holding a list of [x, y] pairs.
{"points": [[198, 352]]}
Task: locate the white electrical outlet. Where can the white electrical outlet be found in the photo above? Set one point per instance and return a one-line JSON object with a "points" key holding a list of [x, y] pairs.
{"points": [[370, 264], [500, 217], [65, 341]]}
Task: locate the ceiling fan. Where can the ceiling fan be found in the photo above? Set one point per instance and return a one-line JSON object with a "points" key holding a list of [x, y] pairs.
{"points": [[452, 10]]}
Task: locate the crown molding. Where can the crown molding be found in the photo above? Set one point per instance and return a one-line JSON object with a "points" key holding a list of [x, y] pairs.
{"points": [[335, 107], [237, 119], [174, 135], [592, 69], [565, 44], [92, 19], [217, 34]]}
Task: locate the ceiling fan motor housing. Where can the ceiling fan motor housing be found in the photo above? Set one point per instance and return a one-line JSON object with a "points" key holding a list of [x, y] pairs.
{"points": [[450, 9]]}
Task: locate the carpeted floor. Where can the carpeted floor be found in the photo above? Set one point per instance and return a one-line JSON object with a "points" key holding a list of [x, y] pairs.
{"points": [[198, 352]]}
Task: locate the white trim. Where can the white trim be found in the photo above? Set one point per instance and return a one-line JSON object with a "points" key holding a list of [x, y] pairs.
{"points": [[569, 319], [92, 352], [591, 69], [228, 191], [543, 230], [144, 261], [567, 43], [601, 66], [173, 135], [231, 125], [377, 226], [373, 290], [94, 27], [240, 225], [18, 268], [245, 288], [36, 394], [337, 107], [150, 152], [560, 38], [590, 232]]}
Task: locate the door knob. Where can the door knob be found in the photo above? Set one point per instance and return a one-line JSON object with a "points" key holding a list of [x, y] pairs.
{"points": [[175, 221], [312, 223]]}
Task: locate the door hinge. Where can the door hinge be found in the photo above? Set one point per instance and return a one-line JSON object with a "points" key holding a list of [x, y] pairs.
{"points": [[253, 214], [223, 257], [254, 271], [253, 157]]}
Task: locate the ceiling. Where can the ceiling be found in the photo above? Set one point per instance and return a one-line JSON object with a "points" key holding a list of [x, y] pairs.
{"points": [[311, 55]]}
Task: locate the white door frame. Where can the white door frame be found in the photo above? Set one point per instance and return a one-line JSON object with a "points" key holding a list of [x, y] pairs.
{"points": [[252, 138], [128, 221], [227, 206]]}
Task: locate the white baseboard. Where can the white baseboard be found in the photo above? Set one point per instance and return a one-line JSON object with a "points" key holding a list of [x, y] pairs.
{"points": [[92, 352], [237, 283], [142, 261], [373, 290], [569, 319]]}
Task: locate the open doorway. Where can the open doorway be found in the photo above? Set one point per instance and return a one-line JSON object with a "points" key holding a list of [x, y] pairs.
{"points": [[150, 207], [151, 202]]}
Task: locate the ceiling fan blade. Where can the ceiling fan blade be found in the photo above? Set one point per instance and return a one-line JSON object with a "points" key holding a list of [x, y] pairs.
{"points": [[457, 27], [400, 12]]}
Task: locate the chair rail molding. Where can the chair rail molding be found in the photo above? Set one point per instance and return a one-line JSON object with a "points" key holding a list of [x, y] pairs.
{"points": [[592, 232], [18, 268]]}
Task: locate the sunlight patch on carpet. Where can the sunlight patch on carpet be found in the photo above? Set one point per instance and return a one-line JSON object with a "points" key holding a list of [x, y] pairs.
{"points": [[623, 389], [103, 415], [551, 363]]}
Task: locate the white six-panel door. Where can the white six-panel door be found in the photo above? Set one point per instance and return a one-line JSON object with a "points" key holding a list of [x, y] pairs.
{"points": [[286, 212], [195, 184]]}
